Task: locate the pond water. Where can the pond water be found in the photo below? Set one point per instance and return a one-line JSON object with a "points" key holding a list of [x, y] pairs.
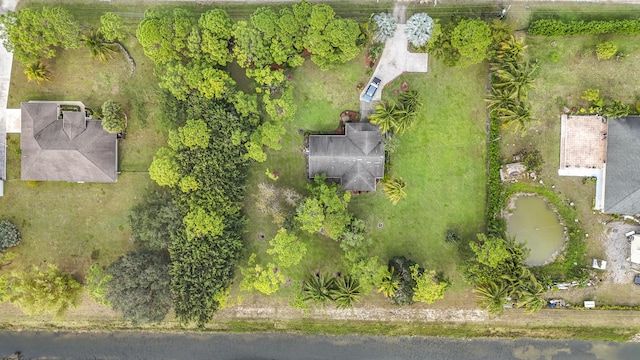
{"points": [[533, 223]]}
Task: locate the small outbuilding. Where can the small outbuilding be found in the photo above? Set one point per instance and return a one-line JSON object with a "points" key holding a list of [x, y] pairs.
{"points": [[635, 249]]}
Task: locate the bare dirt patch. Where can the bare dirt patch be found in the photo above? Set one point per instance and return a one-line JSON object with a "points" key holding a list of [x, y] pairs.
{"points": [[617, 252]]}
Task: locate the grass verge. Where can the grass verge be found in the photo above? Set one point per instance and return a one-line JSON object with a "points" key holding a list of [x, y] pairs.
{"points": [[375, 328]]}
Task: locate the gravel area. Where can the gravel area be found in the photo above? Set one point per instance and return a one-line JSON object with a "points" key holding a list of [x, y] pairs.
{"points": [[617, 249]]}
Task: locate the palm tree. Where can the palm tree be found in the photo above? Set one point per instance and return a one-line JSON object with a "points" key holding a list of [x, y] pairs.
{"points": [[37, 72], [394, 189], [511, 50], [516, 76], [493, 296], [98, 46], [500, 97], [409, 100], [405, 114], [518, 115], [389, 283], [531, 296], [346, 292], [384, 116], [318, 288]]}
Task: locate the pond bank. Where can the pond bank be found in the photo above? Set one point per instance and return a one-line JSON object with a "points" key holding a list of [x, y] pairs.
{"points": [[538, 224]]}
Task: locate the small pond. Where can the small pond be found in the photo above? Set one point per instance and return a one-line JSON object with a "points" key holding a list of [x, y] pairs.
{"points": [[534, 223]]}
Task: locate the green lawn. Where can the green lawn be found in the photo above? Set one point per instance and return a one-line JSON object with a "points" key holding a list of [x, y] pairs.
{"points": [[65, 223], [442, 159], [69, 224]]}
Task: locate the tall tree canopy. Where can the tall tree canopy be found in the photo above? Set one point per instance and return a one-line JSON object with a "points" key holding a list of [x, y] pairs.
{"points": [[140, 286], [35, 34], [155, 220], [188, 51], [472, 39], [203, 258]]}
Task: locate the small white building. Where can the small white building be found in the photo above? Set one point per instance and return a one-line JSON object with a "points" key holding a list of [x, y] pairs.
{"points": [[635, 249]]}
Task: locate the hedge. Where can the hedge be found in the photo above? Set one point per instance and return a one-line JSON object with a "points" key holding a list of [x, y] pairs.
{"points": [[552, 27], [496, 225]]}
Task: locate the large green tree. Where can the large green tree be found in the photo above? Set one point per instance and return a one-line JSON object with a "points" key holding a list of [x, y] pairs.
{"points": [[33, 34], [140, 286], [471, 38], [202, 263], [287, 248], [49, 291], [155, 219], [331, 40], [163, 34], [112, 27], [215, 33], [428, 288], [325, 210]]}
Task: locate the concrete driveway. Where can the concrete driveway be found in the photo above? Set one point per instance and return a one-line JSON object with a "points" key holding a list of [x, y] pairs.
{"points": [[6, 61], [395, 60]]}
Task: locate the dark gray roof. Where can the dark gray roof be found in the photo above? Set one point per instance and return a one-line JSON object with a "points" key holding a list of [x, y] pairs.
{"points": [[356, 158], [67, 149], [622, 173]]}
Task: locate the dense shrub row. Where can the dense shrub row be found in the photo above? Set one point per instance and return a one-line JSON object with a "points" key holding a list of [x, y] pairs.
{"points": [[554, 27], [496, 226]]}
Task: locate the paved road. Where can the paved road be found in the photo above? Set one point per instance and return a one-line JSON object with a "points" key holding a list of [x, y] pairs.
{"points": [[138, 345]]}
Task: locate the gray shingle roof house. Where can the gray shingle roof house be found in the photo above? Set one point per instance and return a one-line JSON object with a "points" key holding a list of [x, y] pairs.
{"points": [[607, 149], [67, 148], [356, 158], [622, 171]]}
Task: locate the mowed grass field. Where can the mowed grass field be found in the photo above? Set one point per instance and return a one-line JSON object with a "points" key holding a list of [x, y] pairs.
{"points": [[442, 159], [68, 224]]}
